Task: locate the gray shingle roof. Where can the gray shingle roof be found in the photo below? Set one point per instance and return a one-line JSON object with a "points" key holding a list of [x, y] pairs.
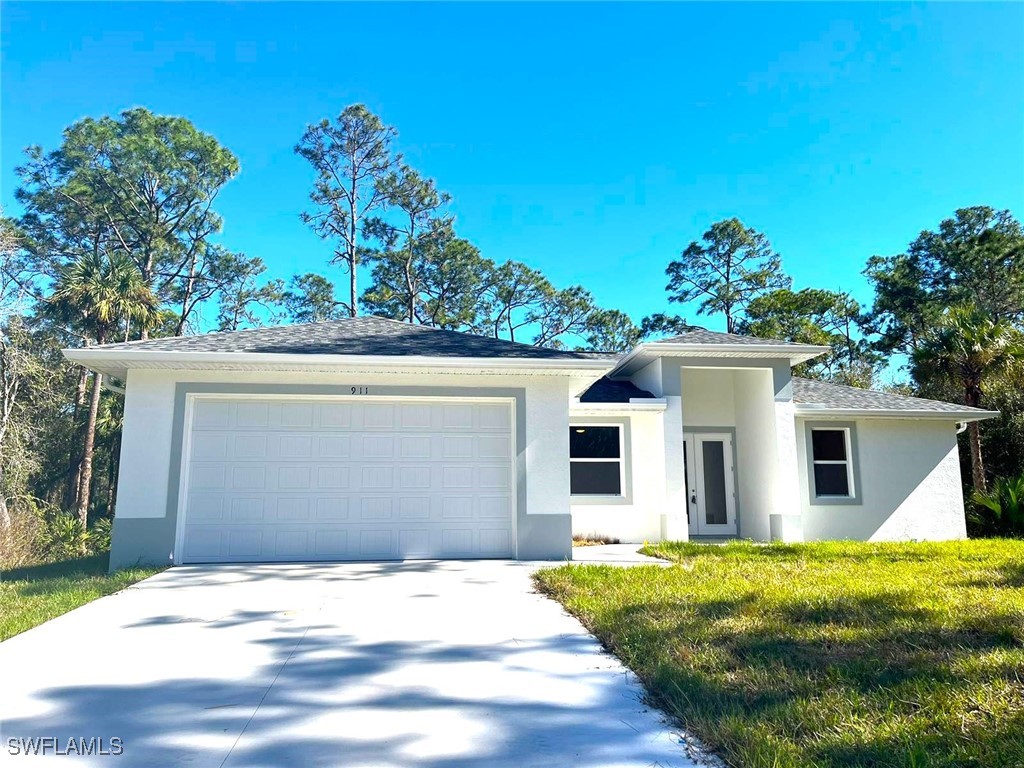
{"points": [[840, 397], [703, 336], [606, 390], [367, 335]]}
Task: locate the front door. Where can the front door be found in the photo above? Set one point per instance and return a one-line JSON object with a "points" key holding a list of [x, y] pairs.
{"points": [[710, 483]]}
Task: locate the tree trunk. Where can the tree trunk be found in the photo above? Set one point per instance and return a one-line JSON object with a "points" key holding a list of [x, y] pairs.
{"points": [[5, 514], [973, 399], [353, 241], [74, 474], [977, 467], [353, 311], [90, 440]]}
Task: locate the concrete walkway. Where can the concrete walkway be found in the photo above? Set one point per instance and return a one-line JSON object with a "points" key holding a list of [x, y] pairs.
{"points": [[614, 554], [423, 664]]}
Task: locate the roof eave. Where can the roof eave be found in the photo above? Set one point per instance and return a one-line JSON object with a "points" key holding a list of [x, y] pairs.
{"points": [[635, 405], [824, 411], [115, 362], [646, 353]]}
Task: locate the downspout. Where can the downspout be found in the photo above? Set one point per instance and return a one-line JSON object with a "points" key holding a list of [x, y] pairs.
{"points": [[109, 385]]}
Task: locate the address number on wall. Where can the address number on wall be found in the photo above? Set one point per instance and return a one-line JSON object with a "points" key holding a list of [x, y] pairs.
{"points": [[360, 390]]}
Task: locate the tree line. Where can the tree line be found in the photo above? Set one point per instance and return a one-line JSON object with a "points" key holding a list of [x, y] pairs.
{"points": [[118, 240]]}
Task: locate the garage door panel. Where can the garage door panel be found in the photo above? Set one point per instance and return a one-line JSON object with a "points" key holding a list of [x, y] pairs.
{"points": [[493, 507], [333, 478], [297, 415], [333, 447], [249, 478], [378, 416], [377, 542], [292, 542], [252, 415], [377, 508], [414, 508], [331, 508], [272, 480], [293, 508], [330, 542], [495, 541], [294, 447], [414, 478], [416, 416]]}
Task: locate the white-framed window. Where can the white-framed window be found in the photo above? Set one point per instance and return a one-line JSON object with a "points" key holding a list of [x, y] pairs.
{"points": [[831, 451], [596, 466]]}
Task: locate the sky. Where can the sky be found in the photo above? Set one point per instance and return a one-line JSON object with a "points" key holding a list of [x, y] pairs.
{"points": [[591, 141]]}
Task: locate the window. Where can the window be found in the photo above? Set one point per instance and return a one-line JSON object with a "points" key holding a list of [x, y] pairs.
{"points": [[595, 460], [831, 463]]}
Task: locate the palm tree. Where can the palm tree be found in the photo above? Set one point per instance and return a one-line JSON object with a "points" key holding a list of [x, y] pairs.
{"points": [[969, 347], [100, 292]]}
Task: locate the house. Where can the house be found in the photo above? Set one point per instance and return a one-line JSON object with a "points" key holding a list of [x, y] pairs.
{"points": [[368, 438]]}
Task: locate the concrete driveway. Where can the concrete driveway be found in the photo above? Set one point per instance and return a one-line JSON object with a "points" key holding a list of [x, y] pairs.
{"points": [[432, 664]]}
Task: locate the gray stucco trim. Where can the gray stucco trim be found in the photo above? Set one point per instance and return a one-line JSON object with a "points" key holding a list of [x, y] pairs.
{"points": [[735, 476], [626, 498], [152, 540], [833, 501]]}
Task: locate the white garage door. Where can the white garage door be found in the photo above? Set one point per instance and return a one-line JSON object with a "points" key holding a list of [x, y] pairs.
{"points": [[279, 479]]}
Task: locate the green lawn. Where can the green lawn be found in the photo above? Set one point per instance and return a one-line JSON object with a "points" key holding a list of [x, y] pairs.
{"points": [[835, 654], [30, 596]]}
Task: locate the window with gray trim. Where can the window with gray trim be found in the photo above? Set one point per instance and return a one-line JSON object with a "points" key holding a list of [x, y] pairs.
{"points": [[832, 462], [595, 460]]}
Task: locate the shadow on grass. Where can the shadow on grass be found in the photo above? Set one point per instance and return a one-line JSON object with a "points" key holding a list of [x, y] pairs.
{"points": [[875, 658], [93, 565]]}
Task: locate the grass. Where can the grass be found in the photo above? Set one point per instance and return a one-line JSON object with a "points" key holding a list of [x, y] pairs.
{"points": [[29, 596], [833, 654]]}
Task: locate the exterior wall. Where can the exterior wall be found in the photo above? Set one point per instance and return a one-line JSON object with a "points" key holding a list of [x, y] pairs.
{"points": [[909, 474], [636, 516], [144, 528], [753, 398], [756, 456], [709, 398], [649, 378]]}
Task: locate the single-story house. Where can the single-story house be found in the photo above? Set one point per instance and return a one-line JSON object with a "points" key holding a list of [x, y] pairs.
{"points": [[371, 439]]}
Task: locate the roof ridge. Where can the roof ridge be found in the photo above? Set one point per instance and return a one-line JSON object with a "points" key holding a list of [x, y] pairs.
{"points": [[256, 329]]}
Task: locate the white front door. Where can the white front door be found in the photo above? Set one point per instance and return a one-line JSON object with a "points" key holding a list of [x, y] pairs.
{"points": [[710, 483]]}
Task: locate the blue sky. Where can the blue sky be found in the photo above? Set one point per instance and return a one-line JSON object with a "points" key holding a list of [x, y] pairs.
{"points": [[590, 141]]}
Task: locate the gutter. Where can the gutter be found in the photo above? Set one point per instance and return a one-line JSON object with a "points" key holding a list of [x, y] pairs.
{"points": [[822, 411], [124, 359], [635, 405], [795, 353]]}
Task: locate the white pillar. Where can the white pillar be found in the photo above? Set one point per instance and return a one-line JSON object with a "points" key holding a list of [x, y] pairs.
{"points": [[675, 526], [786, 522]]}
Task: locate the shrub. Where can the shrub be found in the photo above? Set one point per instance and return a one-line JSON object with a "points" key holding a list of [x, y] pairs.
{"points": [[21, 533], [65, 537], [1000, 510], [99, 535]]}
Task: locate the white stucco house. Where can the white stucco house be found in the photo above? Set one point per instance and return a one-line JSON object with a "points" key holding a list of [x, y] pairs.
{"points": [[369, 439]]}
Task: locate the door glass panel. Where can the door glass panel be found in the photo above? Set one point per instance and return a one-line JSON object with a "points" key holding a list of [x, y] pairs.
{"points": [[686, 478], [713, 453]]}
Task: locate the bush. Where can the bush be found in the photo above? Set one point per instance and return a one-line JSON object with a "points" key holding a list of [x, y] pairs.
{"points": [[99, 535], [21, 533], [1000, 510], [65, 537]]}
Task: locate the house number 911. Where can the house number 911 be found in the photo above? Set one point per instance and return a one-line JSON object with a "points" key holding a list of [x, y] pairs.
{"points": [[360, 390]]}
